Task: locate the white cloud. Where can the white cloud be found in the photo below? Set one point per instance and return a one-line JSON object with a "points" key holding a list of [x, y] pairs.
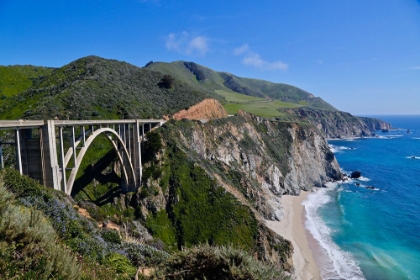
{"points": [[416, 68], [187, 43], [320, 61], [241, 50], [199, 44], [253, 59]]}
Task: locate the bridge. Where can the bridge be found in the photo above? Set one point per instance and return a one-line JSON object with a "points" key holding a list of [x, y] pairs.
{"points": [[51, 151]]}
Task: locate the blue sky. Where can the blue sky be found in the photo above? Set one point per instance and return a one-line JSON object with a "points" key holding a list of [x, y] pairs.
{"points": [[363, 57]]}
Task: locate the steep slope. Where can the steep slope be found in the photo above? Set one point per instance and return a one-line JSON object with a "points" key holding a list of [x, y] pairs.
{"points": [[93, 87]]}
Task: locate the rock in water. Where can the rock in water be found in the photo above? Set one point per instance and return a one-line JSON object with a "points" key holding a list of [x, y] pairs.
{"points": [[355, 174]]}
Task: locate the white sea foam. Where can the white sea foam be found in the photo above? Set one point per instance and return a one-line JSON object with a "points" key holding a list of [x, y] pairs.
{"points": [[338, 149], [413, 157], [364, 179], [387, 136], [344, 266]]}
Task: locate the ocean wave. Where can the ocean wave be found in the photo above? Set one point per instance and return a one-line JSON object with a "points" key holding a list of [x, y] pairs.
{"points": [[372, 188], [364, 179], [337, 149], [344, 139], [344, 264], [390, 136], [349, 180], [413, 157]]}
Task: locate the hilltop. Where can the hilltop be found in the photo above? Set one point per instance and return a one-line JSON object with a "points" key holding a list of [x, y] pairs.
{"points": [[226, 85]]}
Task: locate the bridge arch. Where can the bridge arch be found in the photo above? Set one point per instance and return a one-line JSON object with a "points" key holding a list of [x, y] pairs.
{"points": [[123, 155]]}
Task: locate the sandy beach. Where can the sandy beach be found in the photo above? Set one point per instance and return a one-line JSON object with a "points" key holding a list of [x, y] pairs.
{"points": [[292, 228]]}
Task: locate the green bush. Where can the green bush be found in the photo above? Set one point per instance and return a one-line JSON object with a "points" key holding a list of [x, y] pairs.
{"points": [[120, 264], [210, 262], [110, 235], [29, 246]]}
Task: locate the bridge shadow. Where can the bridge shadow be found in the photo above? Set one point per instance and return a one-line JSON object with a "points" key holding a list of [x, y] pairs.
{"points": [[95, 172]]}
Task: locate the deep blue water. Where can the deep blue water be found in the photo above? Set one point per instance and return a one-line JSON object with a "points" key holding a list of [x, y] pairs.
{"points": [[373, 234]]}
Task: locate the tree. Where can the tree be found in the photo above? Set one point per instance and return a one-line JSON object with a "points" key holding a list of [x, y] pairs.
{"points": [[167, 81]]}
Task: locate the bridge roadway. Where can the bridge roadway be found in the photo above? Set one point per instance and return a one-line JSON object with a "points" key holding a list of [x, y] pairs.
{"points": [[37, 156]]}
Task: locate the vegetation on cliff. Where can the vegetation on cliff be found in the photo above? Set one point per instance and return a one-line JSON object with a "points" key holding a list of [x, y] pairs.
{"points": [[192, 195]]}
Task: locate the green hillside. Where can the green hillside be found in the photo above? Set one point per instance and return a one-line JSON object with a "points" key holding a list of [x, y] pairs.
{"points": [[242, 93], [17, 78], [93, 87]]}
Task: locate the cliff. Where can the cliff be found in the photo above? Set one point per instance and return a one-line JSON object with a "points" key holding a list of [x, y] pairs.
{"points": [[206, 109], [337, 124], [231, 171]]}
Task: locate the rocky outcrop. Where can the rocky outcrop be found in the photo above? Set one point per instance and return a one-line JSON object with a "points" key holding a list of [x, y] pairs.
{"points": [[337, 124], [205, 110]]}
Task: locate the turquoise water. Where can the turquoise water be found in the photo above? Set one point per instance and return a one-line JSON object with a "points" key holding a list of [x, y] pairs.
{"points": [[372, 233]]}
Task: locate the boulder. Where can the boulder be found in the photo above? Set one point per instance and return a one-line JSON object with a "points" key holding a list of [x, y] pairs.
{"points": [[355, 174]]}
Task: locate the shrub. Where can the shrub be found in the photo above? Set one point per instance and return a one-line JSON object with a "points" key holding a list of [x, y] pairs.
{"points": [[143, 254], [167, 82], [209, 262], [110, 235], [29, 246], [120, 264]]}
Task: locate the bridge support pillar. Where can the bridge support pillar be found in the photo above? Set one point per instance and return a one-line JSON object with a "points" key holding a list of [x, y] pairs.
{"points": [[50, 167], [1, 157], [136, 153]]}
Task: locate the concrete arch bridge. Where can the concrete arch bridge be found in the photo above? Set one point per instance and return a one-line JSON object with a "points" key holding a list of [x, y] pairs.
{"points": [[52, 151]]}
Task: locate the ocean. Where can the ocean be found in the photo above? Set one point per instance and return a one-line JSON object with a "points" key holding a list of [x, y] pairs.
{"points": [[372, 233]]}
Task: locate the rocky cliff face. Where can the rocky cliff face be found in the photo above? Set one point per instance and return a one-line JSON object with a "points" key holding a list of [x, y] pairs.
{"points": [[271, 158], [337, 124]]}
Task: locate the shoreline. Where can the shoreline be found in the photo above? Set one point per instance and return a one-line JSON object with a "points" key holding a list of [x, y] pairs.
{"points": [[292, 227]]}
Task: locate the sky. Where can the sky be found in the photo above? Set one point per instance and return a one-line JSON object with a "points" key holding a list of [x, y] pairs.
{"points": [[361, 56]]}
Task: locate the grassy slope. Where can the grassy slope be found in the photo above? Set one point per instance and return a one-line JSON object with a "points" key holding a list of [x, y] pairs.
{"points": [[17, 78], [254, 105], [242, 93]]}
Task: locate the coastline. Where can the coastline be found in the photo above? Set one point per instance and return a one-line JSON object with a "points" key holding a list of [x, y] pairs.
{"points": [[292, 227]]}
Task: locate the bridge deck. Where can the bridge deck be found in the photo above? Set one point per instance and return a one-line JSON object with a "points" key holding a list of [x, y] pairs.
{"points": [[38, 123]]}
